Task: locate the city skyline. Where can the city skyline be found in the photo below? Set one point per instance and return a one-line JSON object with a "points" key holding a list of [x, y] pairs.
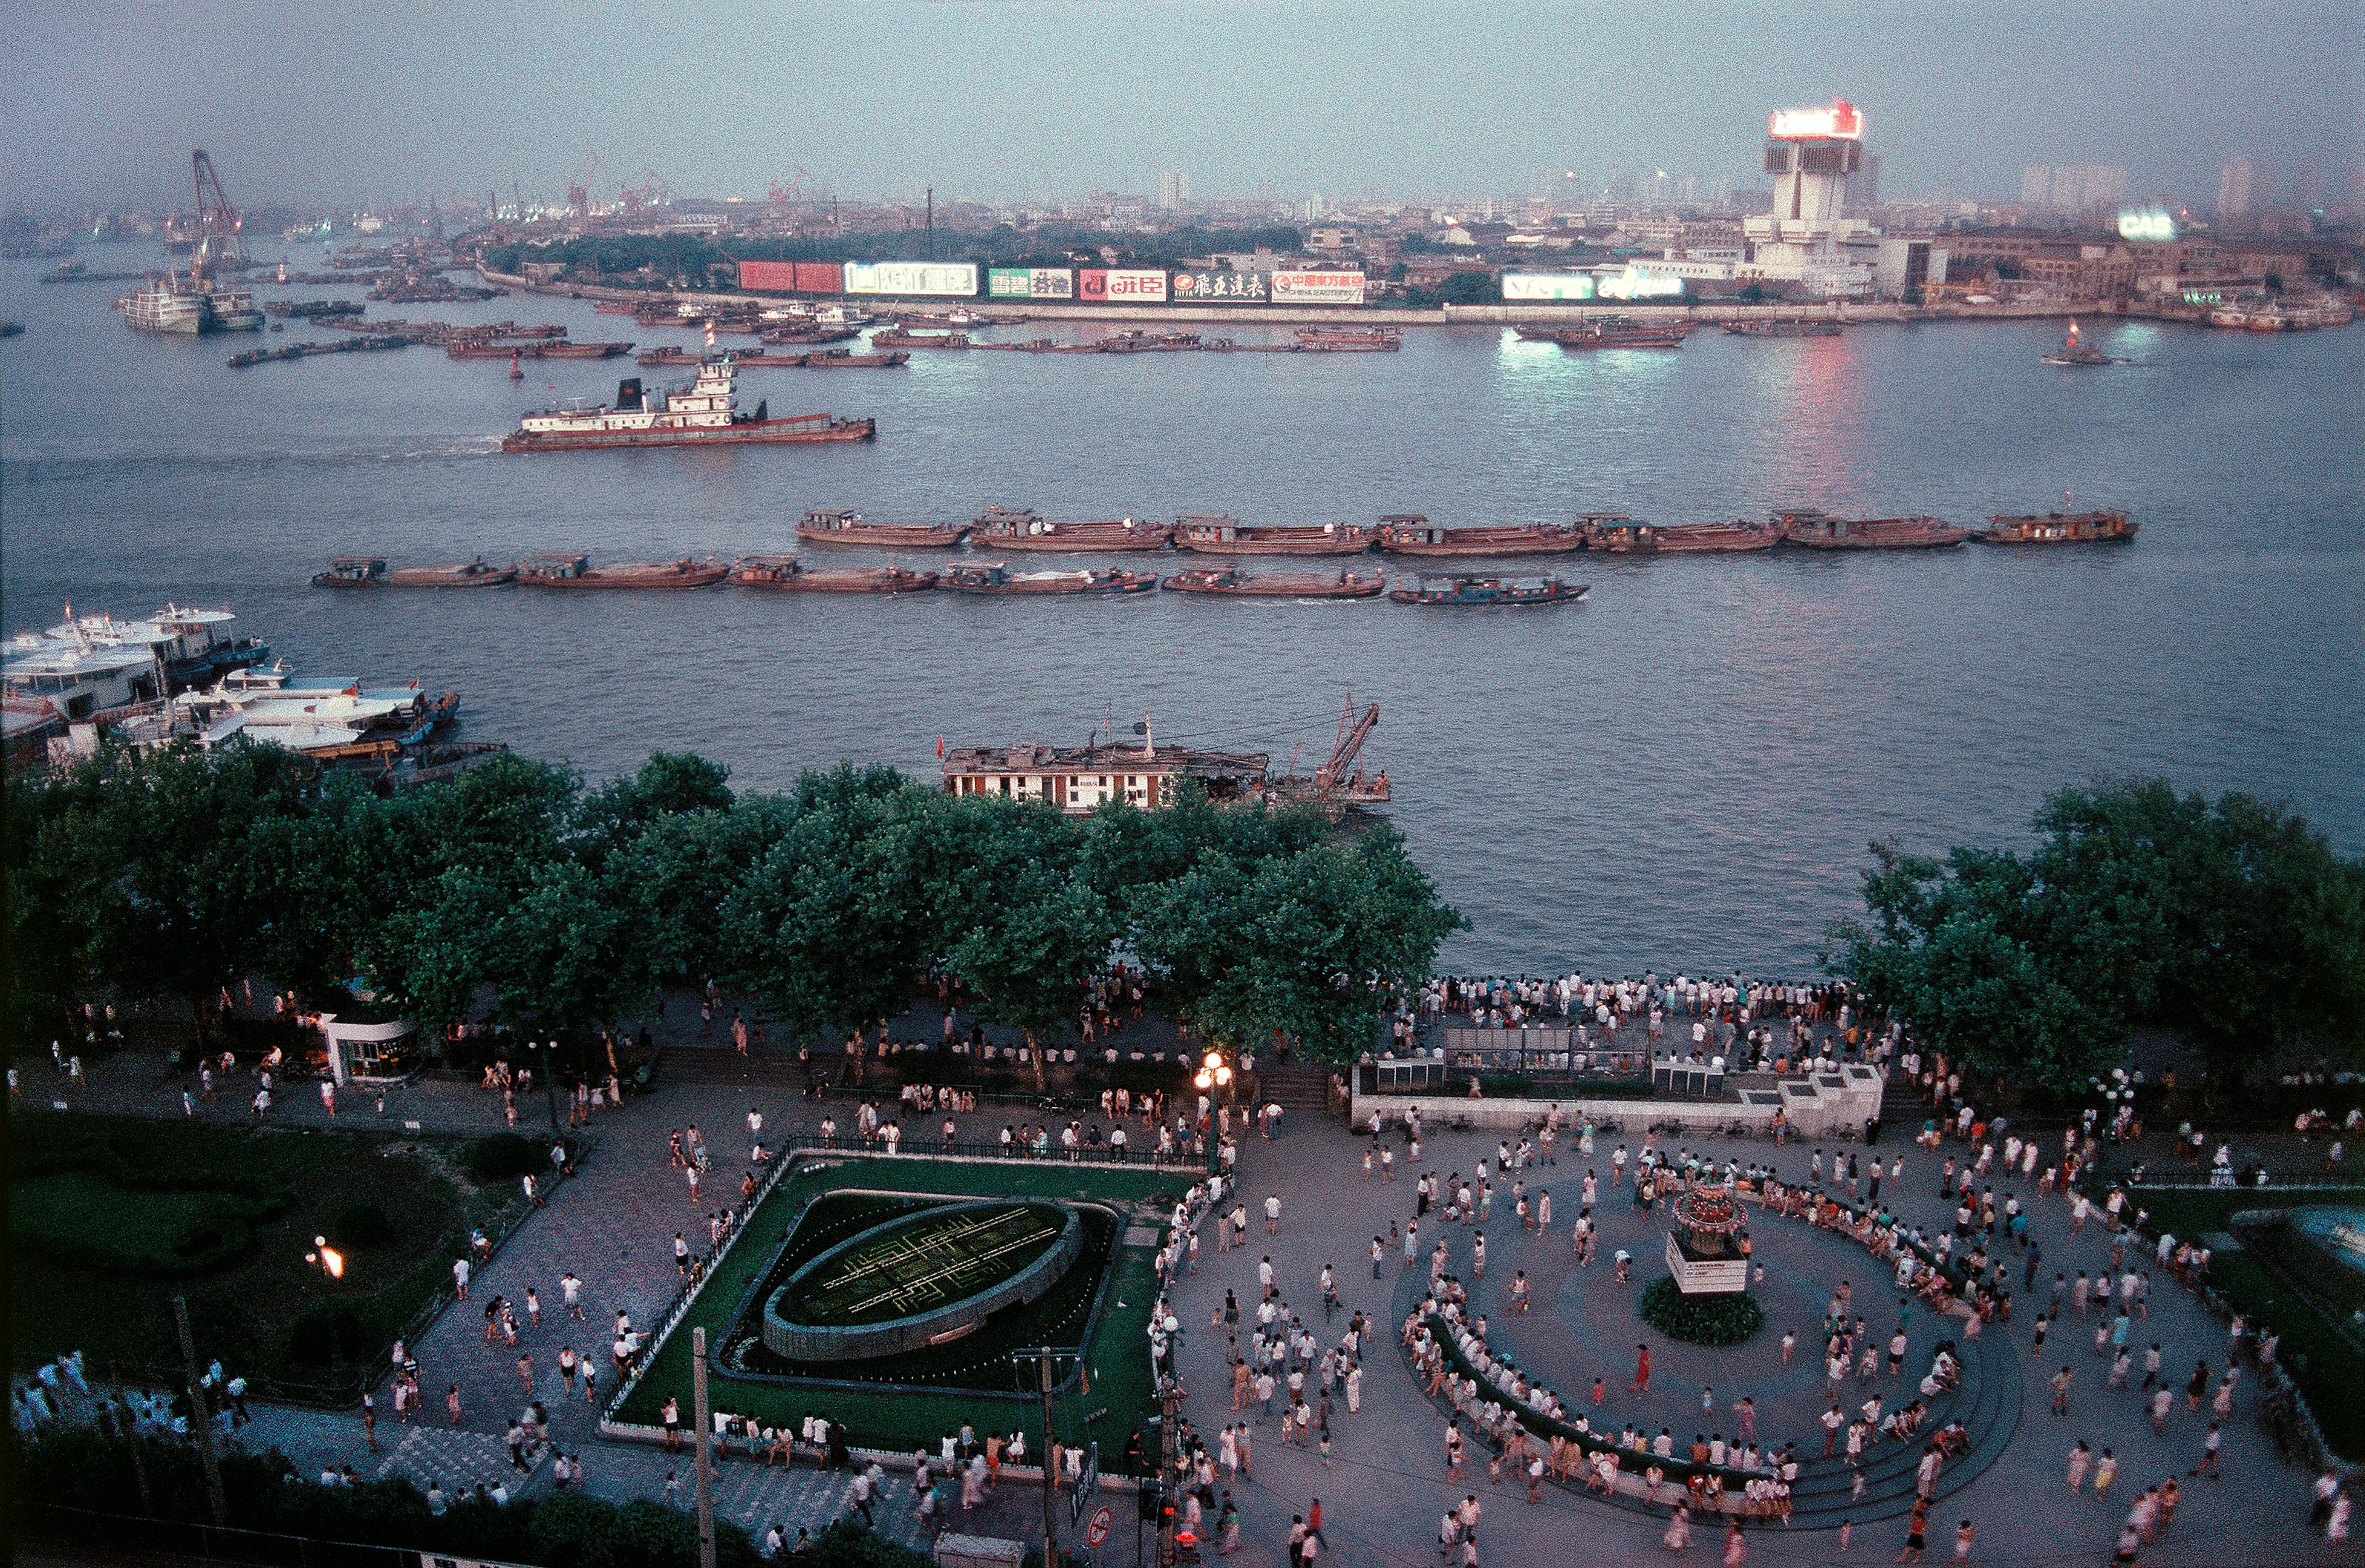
{"points": [[1038, 101]]}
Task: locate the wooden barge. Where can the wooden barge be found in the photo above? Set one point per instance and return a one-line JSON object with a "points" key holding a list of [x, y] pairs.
{"points": [[1349, 339], [1214, 534], [1815, 530], [1782, 328], [1409, 534], [789, 574], [1624, 536], [369, 571], [1230, 582], [998, 579], [1470, 593], [831, 526], [545, 347], [565, 571], [898, 338], [1610, 335], [1017, 528], [2099, 527]]}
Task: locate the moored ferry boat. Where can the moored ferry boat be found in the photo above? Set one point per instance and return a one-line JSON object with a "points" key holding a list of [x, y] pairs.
{"points": [[179, 302], [789, 574], [1216, 534], [998, 578], [90, 664], [560, 570], [1476, 592], [1409, 534], [1017, 528], [1624, 536], [1816, 529], [1230, 582], [2096, 527], [829, 525], [702, 411]]}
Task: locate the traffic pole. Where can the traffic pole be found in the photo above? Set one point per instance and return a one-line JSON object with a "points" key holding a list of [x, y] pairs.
{"points": [[202, 1415], [705, 1460]]}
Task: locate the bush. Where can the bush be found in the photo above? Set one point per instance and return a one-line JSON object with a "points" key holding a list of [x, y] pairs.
{"points": [[360, 1227], [1714, 1320], [322, 1336], [505, 1156]]}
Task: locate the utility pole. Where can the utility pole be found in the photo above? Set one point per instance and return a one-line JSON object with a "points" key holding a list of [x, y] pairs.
{"points": [[550, 1086], [1050, 1475], [932, 256], [705, 1435], [202, 1415], [1169, 1450]]}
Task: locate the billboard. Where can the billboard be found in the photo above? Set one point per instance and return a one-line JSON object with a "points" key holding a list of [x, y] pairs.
{"points": [[800, 277], [1136, 285], [1547, 285], [1318, 289], [1030, 283], [1632, 285], [1841, 120], [1091, 284], [1222, 288], [946, 279]]}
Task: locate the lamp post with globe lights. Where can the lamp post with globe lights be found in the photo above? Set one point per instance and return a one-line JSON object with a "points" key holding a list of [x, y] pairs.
{"points": [[1215, 1072]]}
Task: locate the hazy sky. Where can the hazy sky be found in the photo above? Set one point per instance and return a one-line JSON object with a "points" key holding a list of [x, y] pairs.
{"points": [[345, 101]]}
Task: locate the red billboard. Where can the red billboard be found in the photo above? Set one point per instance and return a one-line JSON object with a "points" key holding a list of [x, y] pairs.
{"points": [[785, 278], [1091, 282]]}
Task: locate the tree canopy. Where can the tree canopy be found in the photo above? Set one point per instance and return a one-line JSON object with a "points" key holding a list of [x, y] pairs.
{"points": [[516, 893], [2231, 924]]}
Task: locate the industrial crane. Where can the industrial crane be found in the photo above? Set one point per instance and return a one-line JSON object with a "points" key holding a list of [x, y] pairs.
{"points": [[217, 222], [1339, 783]]}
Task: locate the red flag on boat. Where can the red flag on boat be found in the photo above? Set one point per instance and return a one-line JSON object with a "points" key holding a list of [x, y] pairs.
{"points": [[940, 748]]}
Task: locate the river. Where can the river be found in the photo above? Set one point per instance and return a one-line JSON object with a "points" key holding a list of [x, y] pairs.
{"points": [[1681, 771]]}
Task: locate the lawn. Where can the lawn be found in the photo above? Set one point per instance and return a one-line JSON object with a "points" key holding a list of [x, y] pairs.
{"points": [[1119, 1395], [2323, 1363], [110, 1218]]}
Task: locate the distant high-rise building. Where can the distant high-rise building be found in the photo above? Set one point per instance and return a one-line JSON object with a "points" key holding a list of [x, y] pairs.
{"points": [[2037, 185], [1864, 191], [2233, 182], [1174, 189], [2072, 187], [2308, 187]]}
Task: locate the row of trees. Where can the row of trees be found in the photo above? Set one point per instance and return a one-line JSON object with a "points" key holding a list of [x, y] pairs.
{"points": [[167, 876], [2232, 924]]}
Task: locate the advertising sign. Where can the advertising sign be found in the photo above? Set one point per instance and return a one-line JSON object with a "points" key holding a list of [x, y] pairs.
{"points": [[1318, 288], [1222, 288], [1030, 283], [820, 277], [780, 275], [1136, 285], [1841, 119], [1547, 285], [1091, 284], [946, 279], [1632, 285]]}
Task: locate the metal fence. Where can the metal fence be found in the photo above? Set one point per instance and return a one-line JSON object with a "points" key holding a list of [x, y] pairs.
{"points": [[214, 1543]]}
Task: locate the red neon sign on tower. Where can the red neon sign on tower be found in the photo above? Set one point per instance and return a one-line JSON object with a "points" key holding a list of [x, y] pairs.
{"points": [[1841, 122]]}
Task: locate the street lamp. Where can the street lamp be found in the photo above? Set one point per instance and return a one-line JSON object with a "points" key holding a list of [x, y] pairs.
{"points": [[330, 1260]]}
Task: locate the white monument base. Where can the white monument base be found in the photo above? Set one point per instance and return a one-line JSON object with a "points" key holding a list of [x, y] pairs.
{"points": [[1705, 1276]]}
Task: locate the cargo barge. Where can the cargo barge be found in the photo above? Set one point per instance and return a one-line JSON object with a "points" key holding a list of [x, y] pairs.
{"points": [[369, 571], [1814, 530], [545, 347], [789, 574], [1230, 582], [830, 526], [565, 571], [1214, 534], [1462, 593], [765, 359], [1624, 536], [1608, 335], [998, 579], [1346, 340], [2099, 527], [897, 338], [702, 413], [1017, 528], [1784, 328], [1409, 534]]}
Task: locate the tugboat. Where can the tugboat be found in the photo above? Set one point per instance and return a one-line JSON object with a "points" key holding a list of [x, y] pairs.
{"points": [[831, 526], [1409, 534], [704, 412], [2099, 526], [1216, 534], [789, 574], [2074, 353], [1460, 593], [1017, 528], [1820, 530], [1230, 582], [998, 579]]}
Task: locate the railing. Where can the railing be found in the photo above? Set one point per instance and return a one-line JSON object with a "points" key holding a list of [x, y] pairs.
{"points": [[184, 1537]]}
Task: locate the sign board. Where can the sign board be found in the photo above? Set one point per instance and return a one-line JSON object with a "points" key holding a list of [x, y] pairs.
{"points": [[1135, 285], [1030, 283], [1841, 120], [1088, 1483], [1633, 285], [1318, 288], [955, 280], [779, 276], [1098, 1531], [1222, 287], [1547, 285]]}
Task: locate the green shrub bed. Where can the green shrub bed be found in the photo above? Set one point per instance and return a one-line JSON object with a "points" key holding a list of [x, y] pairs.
{"points": [[1714, 1320]]}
